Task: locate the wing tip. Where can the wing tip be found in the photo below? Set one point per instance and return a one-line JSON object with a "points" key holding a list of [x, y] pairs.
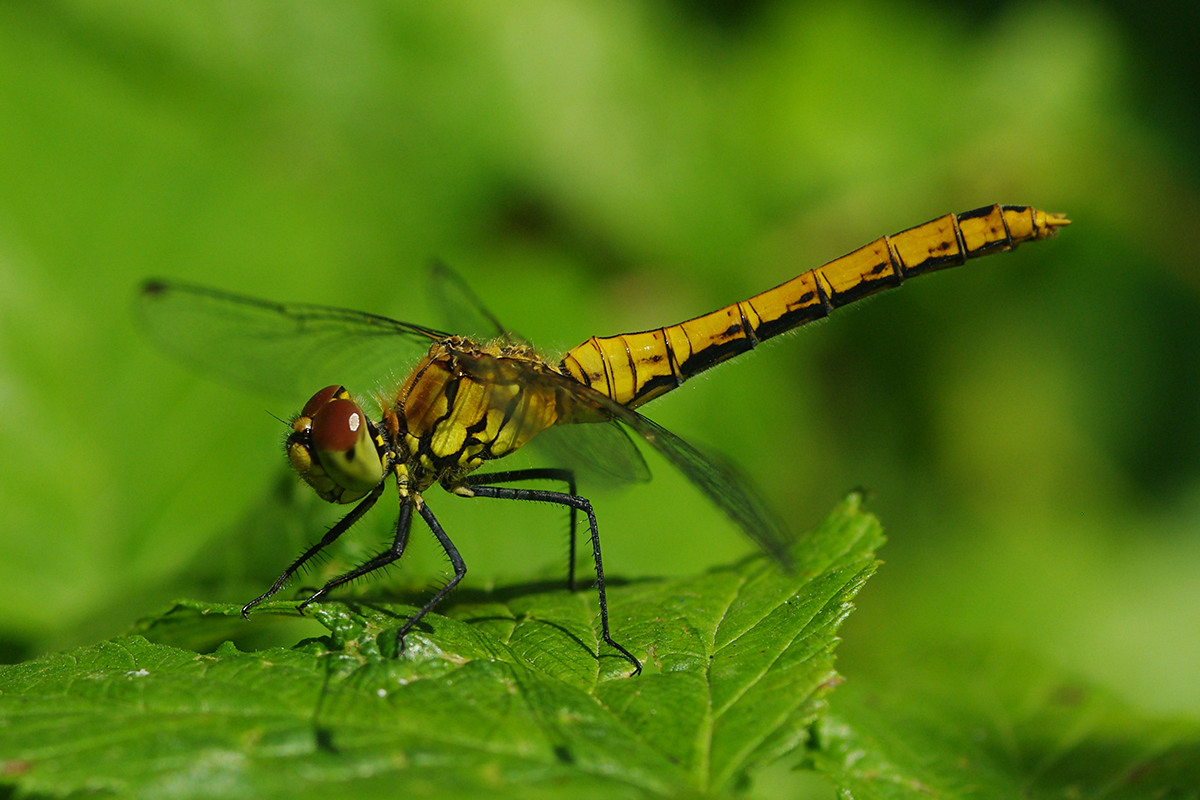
{"points": [[153, 287]]}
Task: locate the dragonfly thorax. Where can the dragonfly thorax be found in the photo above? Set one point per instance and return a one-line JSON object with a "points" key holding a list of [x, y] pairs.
{"points": [[336, 449], [465, 404]]}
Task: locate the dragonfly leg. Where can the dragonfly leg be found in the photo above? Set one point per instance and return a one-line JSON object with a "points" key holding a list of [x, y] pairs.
{"points": [[460, 570], [572, 501], [337, 530], [403, 525], [540, 474]]}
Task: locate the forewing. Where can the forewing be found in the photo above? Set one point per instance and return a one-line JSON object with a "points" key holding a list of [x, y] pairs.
{"points": [[280, 349]]}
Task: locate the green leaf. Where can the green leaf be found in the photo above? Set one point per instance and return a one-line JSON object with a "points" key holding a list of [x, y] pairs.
{"points": [[973, 722], [504, 697]]}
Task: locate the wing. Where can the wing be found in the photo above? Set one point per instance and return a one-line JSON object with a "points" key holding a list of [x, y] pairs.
{"points": [[463, 309], [279, 349], [716, 477], [602, 454]]}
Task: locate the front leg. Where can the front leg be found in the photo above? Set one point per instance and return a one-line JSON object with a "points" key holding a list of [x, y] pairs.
{"points": [[399, 543], [337, 530]]}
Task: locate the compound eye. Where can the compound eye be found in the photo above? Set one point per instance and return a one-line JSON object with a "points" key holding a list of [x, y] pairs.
{"points": [[341, 438], [337, 425], [321, 398]]}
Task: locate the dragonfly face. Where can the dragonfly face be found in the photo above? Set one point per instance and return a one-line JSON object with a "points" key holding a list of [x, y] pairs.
{"points": [[466, 402], [336, 449]]}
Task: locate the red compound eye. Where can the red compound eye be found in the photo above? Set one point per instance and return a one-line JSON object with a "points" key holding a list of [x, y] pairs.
{"points": [[343, 442], [318, 400], [337, 426]]}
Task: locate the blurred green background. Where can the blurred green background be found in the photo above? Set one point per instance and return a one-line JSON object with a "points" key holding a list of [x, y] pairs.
{"points": [[1029, 424]]}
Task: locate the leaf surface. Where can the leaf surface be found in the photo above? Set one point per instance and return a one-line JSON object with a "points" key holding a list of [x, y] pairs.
{"points": [[976, 721], [505, 696]]}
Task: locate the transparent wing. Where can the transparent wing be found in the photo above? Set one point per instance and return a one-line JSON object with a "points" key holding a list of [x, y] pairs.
{"points": [[716, 477], [281, 349], [601, 454], [462, 308]]}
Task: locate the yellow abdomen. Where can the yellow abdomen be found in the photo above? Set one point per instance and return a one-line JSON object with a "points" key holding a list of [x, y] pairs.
{"points": [[634, 368]]}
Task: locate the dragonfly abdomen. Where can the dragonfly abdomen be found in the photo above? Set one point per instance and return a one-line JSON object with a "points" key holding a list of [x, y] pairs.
{"points": [[634, 368]]}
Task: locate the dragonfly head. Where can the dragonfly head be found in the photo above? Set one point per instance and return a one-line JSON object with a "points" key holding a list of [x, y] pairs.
{"points": [[335, 448]]}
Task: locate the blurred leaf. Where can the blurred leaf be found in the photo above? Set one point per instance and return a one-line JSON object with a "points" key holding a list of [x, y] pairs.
{"points": [[964, 723], [504, 697]]}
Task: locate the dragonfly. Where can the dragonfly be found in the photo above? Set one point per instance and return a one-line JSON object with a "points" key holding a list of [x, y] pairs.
{"points": [[460, 402]]}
